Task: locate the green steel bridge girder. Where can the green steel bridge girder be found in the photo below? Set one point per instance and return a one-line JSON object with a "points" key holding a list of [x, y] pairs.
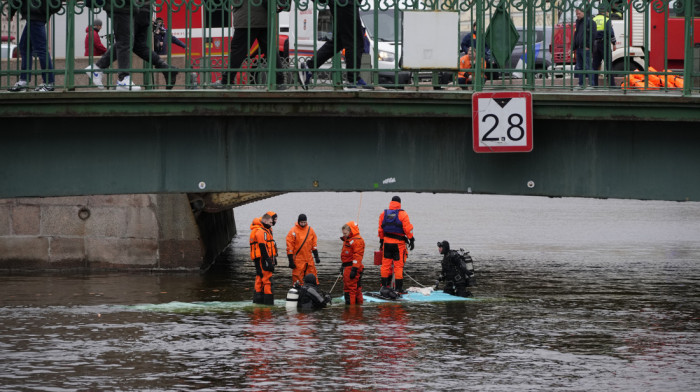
{"points": [[619, 146]]}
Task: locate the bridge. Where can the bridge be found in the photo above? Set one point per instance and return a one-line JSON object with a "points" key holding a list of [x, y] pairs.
{"points": [[223, 147]]}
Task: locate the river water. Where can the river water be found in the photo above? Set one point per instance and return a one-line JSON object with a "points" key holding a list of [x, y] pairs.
{"points": [[571, 295]]}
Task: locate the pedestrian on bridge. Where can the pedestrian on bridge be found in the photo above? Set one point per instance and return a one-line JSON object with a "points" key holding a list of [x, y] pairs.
{"points": [[33, 43], [131, 22], [301, 251], [581, 45], [604, 37], [251, 21], [93, 43], [348, 36]]}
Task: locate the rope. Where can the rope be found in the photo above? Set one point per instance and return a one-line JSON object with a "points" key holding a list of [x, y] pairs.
{"points": [[336, 282], [359, 208], [410, 277]]}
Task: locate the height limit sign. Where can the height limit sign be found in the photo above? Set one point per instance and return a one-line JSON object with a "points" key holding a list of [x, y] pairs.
{"points": [[502, 122]]}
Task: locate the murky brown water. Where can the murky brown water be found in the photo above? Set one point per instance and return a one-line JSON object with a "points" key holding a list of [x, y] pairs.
{"points": [[573, 295]]}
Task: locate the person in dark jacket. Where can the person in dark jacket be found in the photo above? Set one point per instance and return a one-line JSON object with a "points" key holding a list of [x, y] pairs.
{"points": [[93, 43], [251, 21], [310, 296], [349, 36], [581, 45], [131, 21], [33, 43], [455, 277], [160, 33]]}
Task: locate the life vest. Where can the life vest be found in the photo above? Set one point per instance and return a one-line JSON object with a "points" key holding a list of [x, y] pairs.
{"points": [[391, 223], [465, 62], [259, 234]]}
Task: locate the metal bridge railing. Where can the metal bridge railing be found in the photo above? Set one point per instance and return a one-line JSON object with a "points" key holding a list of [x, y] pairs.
{"points": [[630, 46]]}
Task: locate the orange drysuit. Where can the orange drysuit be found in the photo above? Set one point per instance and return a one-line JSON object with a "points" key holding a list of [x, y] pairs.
{"points": [[263, 252], [301, 244], [395, 229], [351, 256]]}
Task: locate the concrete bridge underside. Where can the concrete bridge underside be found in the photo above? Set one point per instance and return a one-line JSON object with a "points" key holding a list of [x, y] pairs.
{"points": [[209, 144]]}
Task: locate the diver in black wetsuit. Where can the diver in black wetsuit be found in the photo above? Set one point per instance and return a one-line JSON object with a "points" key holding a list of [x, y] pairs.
{"points": [[454, 272], [310, 296]]}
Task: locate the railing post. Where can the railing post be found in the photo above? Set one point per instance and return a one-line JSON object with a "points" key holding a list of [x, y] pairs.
{"points": [[69, 73], [272, 44], [530, 47], [688, 65], [477, 81]]}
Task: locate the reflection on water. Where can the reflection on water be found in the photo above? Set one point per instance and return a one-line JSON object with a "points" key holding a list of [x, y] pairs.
{"points": [[573, 295]]}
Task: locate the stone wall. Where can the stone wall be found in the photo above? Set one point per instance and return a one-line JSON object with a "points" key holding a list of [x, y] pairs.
{"points": [[99, 232]]}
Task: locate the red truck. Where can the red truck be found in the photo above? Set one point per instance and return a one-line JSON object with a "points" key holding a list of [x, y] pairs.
{"points": [[662, 40]]}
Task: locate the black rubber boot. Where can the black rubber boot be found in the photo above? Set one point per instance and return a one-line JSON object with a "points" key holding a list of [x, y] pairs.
{"points": [[399, 286], [258, 297], [347, 298], [384, 284], [268, 299]]}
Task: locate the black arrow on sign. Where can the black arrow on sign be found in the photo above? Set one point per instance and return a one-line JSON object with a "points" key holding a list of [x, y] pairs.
{"points": [[502, 102]]}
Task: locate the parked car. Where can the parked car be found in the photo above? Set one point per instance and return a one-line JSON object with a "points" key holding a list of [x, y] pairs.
{"points": [[543, 56], [8, 49]]}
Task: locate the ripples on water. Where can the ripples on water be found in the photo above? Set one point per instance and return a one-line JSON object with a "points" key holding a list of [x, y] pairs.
{"points": [[574, 295]]}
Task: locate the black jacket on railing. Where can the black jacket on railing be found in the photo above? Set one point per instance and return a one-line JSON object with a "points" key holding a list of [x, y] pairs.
{"points": [[35, 10]]}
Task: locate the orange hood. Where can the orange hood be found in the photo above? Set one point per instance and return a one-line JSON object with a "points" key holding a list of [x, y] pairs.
{"points": [[394, 205], [354, 229], [256, 223]]}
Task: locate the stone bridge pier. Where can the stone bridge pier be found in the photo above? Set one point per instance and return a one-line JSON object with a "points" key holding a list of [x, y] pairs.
{"points": [[117, 232]]}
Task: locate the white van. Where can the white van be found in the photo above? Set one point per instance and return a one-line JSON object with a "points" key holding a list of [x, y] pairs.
{"points": [[388, 46]]}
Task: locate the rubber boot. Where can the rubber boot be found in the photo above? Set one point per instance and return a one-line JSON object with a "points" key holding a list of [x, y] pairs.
{"points": [[384, 282], [268, 299], [347, 298], [399, 286], [258, 297]]}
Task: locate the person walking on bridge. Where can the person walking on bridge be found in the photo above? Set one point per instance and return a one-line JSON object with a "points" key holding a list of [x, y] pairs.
{"points": [[263, 253], [33, 42], [395, 230], [301, 250]]}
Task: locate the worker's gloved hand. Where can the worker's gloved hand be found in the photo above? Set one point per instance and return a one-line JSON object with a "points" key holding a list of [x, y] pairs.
{"points": [[316, 258], [291, 261], [381, 244], [268, 265], [411, 243], [353, 272], [341, 269]]}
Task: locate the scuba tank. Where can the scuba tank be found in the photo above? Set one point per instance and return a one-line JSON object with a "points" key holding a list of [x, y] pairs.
{"points": [[292, 298]]}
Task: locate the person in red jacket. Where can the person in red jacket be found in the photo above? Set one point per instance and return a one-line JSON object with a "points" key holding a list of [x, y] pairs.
{"points": [[395, 230], [351, 256], [263, 253], [92, 39]]}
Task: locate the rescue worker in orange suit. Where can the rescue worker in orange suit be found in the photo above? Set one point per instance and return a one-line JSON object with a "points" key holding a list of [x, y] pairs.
{"points": [[263, 253], [352, 268], [302, 251], [395, 230]]}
